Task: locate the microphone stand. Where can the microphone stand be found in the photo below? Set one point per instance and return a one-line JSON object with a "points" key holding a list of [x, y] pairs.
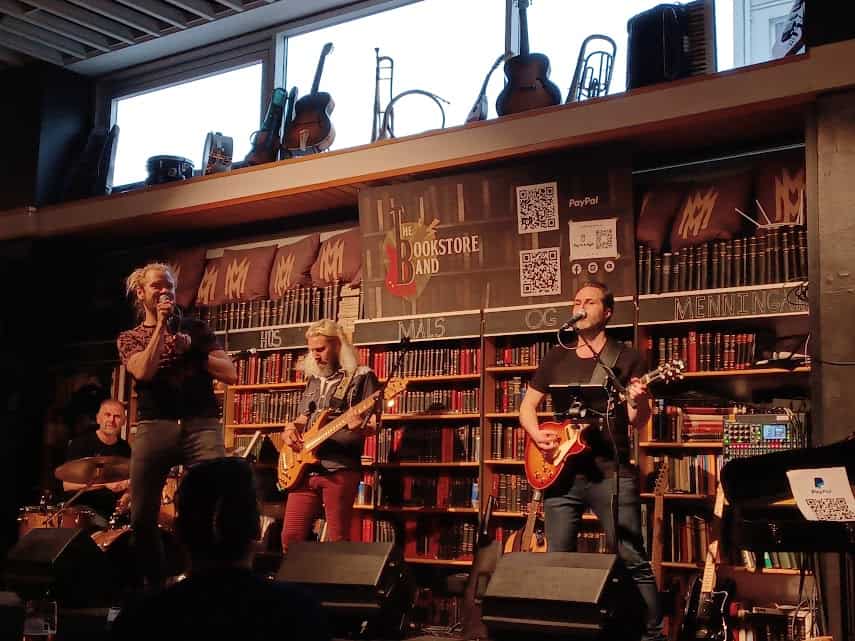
{"points": [[377, 410], [618, 388]]}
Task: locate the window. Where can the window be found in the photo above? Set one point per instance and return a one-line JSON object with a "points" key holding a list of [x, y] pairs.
{"points": [[175, 120], [442, 46]]}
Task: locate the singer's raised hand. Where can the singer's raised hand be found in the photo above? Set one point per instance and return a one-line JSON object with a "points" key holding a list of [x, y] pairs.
{"points": [[182, 343]]}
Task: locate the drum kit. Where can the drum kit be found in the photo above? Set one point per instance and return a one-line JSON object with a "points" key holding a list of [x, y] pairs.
{"points": [[116, 540]]}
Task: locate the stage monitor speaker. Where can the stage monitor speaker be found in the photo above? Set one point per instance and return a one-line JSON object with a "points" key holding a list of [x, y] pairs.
{"points": [[62, 562], [11, 616], [562, 594], [366, 581]]}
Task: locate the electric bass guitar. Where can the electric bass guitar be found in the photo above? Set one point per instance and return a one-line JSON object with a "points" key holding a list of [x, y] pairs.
{"points": [[705, 616], [657, 545], [542, 469], [531, 538], [527, 83], [311, 130], [292, 465]]}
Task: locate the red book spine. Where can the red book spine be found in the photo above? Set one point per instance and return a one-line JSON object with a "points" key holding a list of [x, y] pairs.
{"points": [[692, 364]]}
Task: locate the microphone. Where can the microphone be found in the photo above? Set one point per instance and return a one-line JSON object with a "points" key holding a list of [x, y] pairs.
{"points": [[575, 318], [173, 319]]}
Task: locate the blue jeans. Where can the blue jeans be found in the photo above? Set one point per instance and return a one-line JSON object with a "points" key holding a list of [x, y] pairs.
{"points": [[564, 504], [158, 446]]}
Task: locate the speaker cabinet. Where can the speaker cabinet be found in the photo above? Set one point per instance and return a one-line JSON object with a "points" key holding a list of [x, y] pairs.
{"points": [[353, 581], [571, 595], [64, 562]]}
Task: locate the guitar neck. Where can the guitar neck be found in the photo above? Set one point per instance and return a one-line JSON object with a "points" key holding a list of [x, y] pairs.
{"points": [[708, 580], [337, 424], [316, 83], [523, 28]]}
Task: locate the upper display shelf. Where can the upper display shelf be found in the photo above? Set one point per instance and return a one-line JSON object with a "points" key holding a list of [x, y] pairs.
{"points": [[693, 113]]}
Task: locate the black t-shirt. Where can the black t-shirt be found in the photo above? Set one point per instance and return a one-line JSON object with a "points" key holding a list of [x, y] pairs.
{"points": [[223, 604], [343, 450], [101, 500], [563, 366], [182, 386]]}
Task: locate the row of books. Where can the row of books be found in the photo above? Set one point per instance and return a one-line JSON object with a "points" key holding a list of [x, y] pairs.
{"points": [[771, 560], [686, 537], [512, 492], [708, 351], [771, 256], [439, 401], [510, 393], [424, 444], [265, 407], [691, 473], [365, 528], [425, 490], [300, 305], [509, 355], [439, 539], [591, 541], [507, 441], [365, 490], [274, 367], [423, 361], [681, 423]]}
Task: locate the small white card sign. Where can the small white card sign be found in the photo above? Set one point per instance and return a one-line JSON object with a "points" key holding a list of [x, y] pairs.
{"points": [[593, 239], [823, 494]]}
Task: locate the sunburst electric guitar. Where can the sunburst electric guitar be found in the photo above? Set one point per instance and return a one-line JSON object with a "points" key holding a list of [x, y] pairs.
{"points": [[292, 465], [542, 470]]}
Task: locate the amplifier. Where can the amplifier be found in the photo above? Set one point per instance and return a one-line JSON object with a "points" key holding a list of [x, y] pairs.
{"points": [[756, 434]]}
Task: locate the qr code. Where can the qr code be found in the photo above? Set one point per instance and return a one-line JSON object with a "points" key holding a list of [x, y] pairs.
{"points": [[605, 238], [540, 272], [537, 207], [831, 509]]}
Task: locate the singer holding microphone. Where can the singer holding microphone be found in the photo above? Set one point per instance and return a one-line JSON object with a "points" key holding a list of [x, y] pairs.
{"points": [[589, 479], [174, 361]]}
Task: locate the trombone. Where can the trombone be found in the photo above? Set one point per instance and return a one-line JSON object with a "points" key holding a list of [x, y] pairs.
{"points": [[384, 65]]}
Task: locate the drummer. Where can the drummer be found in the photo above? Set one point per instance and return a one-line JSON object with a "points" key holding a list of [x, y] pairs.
{"points": [[103, 442]]}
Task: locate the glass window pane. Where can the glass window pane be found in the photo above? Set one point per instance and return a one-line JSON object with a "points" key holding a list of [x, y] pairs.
{"points": [[175, 120], [442, 46]]}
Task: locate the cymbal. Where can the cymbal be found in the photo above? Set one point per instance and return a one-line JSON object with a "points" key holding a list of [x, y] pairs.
{"points": [[95, 469]]}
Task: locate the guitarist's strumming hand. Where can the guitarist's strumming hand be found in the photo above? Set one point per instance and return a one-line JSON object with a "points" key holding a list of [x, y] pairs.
{"points": [[545, 441], [292, 438]]}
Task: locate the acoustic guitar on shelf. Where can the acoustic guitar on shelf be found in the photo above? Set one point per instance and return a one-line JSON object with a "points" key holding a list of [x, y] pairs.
{"points": [[292, 465], [527, 83], [311, 129], [531, 538], [542, 469]]}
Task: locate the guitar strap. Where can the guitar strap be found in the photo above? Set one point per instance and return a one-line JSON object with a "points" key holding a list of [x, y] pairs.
{"points": [[337, 399], [610, 354]]}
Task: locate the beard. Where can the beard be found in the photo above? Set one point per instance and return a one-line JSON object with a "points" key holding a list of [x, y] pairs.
{"points": [[347, 359]]}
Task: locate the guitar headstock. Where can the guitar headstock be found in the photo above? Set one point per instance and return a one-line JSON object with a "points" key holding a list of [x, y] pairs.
{"points": [[394, 387], [327, 50], [661, 485], [671, 370]]}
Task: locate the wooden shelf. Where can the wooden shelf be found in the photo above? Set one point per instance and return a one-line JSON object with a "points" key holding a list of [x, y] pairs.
{"points": [[503, 461], [775, 96], [771, 371], [266, 386], [779, 571], [451, 378], [428, 510], [587, 516], [404, 465], [515, 415], [661, 445], [680, 497], [363, 506], [439, 562], [676, 565], [511, 369], [253, 426], [430, 417]]}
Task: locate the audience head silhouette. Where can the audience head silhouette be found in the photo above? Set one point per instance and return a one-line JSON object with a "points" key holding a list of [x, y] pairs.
{"points": [[218, 517]]}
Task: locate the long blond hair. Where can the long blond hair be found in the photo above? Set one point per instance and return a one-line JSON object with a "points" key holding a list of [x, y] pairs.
{"points": [[348, 359], [137, 278]]}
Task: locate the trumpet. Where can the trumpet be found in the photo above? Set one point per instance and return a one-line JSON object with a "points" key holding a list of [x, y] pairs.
{"points": [[384, 65], [593, 73]]}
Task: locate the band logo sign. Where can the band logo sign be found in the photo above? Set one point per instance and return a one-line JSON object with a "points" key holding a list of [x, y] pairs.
{"points": [[331, 261], [412, 253], [236, 274], [789, 190], [697, 213]]}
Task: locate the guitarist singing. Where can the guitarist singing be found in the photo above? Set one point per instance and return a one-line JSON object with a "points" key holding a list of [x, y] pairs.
{"points": [[589, 479], [333, 381]]}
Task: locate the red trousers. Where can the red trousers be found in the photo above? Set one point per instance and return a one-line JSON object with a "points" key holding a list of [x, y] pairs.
{"points": [[335, 492]]}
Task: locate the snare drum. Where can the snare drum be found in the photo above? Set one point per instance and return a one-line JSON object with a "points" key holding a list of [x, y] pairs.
{"points": [[80, 516], [36, 516]]}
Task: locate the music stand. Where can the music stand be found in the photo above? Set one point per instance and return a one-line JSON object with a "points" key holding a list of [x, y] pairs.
{"points": [[579, 400]]}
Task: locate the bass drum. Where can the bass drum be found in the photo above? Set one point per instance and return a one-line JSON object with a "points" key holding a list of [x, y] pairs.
{"points": [[31, 517], [118, 545]]}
